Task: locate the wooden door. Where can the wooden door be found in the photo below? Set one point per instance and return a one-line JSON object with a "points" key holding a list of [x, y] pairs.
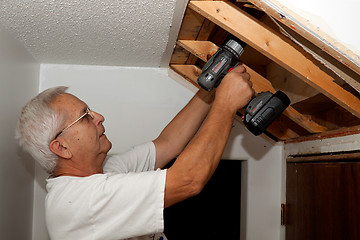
{"points": [[323, 198]]}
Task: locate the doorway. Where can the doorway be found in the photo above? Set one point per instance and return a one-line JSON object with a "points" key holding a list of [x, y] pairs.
{"points": [[214, 213]]}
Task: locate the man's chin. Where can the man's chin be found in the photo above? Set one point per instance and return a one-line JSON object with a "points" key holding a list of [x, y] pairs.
{"points": [[109, 146]]}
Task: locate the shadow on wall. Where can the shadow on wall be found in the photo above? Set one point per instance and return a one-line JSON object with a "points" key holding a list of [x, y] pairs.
{"points": [[26, 161], [243, 144], [32, 167], [40, 177]]}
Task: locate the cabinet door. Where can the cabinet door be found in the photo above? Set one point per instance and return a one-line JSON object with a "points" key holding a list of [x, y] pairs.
{"points": [[323, 200]]}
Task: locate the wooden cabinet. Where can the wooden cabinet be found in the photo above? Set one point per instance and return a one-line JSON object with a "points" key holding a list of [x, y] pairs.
{"points": [[323, 197]]}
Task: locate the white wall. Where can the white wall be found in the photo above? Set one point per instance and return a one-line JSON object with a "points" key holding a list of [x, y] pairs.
{"points": [[18, 83], [137, 104], [261, 183]]}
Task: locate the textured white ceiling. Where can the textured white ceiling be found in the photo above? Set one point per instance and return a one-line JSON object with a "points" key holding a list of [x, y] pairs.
{"points": [[95, 32]]}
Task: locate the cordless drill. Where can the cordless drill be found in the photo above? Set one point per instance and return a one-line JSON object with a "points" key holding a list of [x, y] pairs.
{"points": [[263, 109]]}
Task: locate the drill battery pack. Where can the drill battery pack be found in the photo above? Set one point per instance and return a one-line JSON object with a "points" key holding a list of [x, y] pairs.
{"points": [[263, 110]]}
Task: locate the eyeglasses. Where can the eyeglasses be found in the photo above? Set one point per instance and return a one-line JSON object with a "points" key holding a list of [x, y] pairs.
{"points": [[87, 112]]}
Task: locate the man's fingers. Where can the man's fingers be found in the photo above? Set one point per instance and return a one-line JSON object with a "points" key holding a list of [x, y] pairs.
{"points": [[246, 76], [239, 69]]}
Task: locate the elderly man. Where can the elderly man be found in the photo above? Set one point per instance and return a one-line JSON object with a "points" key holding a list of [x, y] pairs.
{"points": [[93, 196]]}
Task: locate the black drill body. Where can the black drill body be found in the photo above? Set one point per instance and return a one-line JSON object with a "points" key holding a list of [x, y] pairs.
{"points": [[223, 61], [263, 109]]}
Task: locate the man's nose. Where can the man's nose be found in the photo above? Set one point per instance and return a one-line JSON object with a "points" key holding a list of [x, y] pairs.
{"points": [[98, 118]]}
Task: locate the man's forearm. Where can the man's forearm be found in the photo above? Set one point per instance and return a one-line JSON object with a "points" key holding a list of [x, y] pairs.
{"points": [[208, 145], [174, 138], [200, 158]]}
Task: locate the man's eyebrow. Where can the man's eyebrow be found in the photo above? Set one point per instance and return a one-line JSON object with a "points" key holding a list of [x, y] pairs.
{"points": [[83, 110]]}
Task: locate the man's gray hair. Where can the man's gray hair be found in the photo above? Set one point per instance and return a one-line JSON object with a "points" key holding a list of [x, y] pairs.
{"points": [[38, 125]]}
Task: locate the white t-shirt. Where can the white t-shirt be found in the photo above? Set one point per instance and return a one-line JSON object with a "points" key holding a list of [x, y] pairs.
{"points": [[124, 202]]}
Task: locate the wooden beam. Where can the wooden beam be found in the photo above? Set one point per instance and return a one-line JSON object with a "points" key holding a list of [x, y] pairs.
{"points": [[204, 33], [205, 49], [194, 27], [330, 134], [334, 157], [192, 72], [189, 72], [261, 84], [201, 49], [309, 31], [279, 130], [190, 28], [277, 48]]}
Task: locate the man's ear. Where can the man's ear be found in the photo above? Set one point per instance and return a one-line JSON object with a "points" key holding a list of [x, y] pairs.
{"points": [[60, 149]]}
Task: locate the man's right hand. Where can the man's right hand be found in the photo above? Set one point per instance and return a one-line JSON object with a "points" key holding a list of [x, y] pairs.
{"points": [[235, 90]]}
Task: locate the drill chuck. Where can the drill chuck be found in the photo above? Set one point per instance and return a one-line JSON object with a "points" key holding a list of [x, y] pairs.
{"points": [[234, 47]]}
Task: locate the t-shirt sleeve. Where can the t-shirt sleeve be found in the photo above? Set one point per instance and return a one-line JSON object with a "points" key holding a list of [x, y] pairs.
{"points": [[138, 159], [128, 205]]}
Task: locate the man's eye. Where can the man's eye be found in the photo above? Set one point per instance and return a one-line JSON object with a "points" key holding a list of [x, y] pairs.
{"points": [[85, 118], [88, 117]]}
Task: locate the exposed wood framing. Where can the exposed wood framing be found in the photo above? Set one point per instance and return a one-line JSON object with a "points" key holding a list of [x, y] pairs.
{"points": [[330, 134], [195, 27], [326, 158], [282, 132], [307, 30], [189, 72], [338, 67], [205, 49], [277, 129], [201, 49], [277, 48], [270, 55]]}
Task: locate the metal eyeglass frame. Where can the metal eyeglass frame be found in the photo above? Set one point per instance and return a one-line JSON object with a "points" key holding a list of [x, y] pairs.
{"points": [[88, 112]]}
